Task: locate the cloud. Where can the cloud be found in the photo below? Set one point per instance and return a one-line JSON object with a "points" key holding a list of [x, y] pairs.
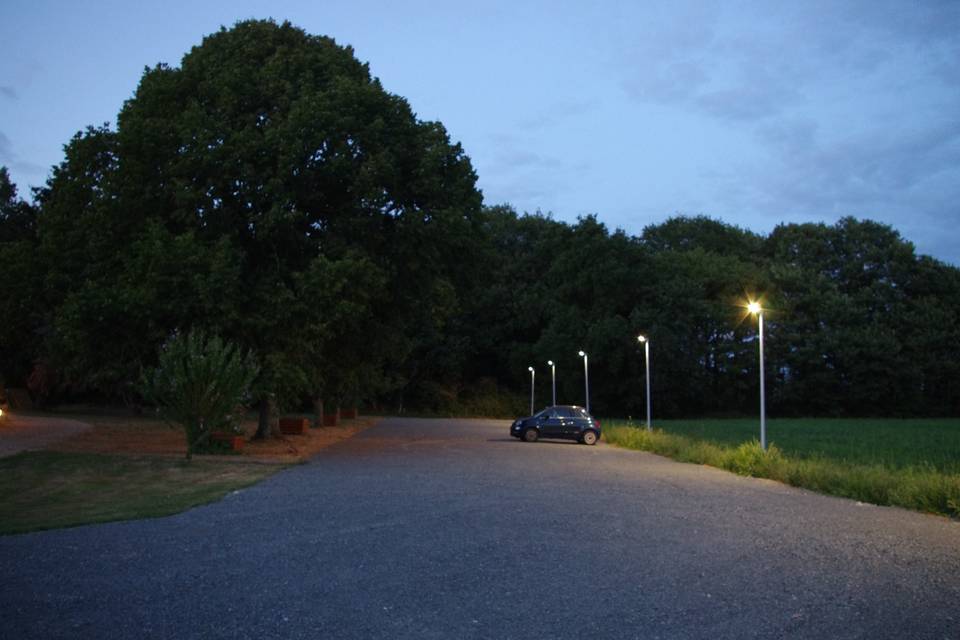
{"points": [[556, 114], [510, 159], [6, 149], [20, 172], [814, 111], [8, 92], [765, 61]]}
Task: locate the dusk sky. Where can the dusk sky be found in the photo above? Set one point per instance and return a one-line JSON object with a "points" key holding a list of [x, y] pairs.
{"points": [[755, 113]]}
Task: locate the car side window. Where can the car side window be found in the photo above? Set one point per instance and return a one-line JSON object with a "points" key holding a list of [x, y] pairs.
{"points": [[566, 413]]}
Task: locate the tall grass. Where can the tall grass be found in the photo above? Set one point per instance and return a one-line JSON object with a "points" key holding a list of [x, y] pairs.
{"points": [[883, 474]]}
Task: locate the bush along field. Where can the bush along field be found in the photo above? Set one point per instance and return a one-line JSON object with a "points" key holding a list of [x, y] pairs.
{"points": [[913, 464]]}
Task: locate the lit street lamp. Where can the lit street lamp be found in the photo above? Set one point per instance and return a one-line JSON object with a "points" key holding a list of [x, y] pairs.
{"points": [[646, 358], [533, 377], [757, 310], [586, 379], [553, 375]]}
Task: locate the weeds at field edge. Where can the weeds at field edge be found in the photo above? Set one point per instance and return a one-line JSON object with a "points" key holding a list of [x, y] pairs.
{"points": [[920, 489]]}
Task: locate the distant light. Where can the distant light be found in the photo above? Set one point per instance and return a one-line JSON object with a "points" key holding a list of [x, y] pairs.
{"points": [[754, 307], [642, 338], [529, 368], [582, 354], [549, 363]]}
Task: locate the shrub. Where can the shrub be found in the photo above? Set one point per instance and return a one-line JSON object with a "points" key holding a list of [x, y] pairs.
{"points": [[200, 384], [749, 459]]}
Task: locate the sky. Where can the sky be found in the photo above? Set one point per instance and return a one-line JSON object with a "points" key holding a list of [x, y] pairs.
{"points": [[754, 113]]}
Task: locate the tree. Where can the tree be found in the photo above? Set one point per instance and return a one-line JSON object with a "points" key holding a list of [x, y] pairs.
{"points": [[273, 147], [19, 337]]}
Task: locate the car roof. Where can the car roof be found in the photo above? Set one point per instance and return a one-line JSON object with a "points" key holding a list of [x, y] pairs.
{"points": [[564, 406]]}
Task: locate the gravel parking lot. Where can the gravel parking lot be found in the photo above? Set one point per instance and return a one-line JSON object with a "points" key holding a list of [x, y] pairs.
{"points": [[452, 529]]}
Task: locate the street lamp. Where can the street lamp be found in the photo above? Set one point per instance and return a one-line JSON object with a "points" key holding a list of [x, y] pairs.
{"points": [[757, 310], [553, 375], [533, 377], [646, 358], [586, 378]]}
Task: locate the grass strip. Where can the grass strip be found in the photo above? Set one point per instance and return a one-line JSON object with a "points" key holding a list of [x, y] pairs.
{"points": [[47, 490], [922, 488]]}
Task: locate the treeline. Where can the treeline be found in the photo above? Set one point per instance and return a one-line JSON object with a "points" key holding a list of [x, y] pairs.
{"points": [[855, 322], [270, 191]]}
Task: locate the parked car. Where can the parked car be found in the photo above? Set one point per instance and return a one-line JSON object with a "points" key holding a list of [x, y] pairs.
{"points": [[562, 421]]}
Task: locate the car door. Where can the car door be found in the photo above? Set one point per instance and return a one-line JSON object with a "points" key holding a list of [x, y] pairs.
{"points": [[551, 424], [570, 426]]}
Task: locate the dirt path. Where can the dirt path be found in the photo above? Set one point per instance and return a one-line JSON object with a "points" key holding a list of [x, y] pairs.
{"points": [[146, 436], [26, 433]]}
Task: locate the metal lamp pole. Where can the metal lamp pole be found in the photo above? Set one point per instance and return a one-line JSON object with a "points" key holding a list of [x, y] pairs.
{"points": [[533, 377], [586, 378], [755, 308], [553, 375], [646, 360]]}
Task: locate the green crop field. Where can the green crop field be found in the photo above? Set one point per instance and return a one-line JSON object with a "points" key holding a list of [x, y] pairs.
{"points": [[913, 463], [897, 444]]}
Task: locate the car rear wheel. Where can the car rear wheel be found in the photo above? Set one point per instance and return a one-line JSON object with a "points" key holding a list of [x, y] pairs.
{"points": [[589, 437], [530, 435]]}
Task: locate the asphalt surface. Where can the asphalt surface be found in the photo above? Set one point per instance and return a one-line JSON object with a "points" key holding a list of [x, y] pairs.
{"points": [[452, 529]]}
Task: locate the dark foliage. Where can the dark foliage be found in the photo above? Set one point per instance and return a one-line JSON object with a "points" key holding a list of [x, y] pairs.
{"points": [[269, 190]]}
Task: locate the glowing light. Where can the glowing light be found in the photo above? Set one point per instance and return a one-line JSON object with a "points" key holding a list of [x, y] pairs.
{"points": [[582, 354], [549, 363], [641, 338], [754, 307], [529, 368]]}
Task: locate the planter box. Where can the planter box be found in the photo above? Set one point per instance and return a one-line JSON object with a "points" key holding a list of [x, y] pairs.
{"points": [[330, 420], [234, 441], [293, 426], [348, 414]]}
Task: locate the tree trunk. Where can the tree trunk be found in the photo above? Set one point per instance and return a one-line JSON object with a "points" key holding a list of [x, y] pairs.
{"points": [[264, 420], [317, 412]]}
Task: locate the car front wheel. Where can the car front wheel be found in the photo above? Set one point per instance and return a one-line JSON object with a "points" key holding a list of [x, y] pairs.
{"points": [[530, 435], [589, 437]]}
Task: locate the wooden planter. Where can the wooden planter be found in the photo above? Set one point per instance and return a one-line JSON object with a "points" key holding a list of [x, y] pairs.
{"points": [[348, 414], [293, 426], [331, 419], [234, 441]]}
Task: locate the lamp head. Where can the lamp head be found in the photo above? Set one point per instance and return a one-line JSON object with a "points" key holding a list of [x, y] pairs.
{"points": [[641, 338], [583, 355], [754, 308], [530, 369], [550, 363]]}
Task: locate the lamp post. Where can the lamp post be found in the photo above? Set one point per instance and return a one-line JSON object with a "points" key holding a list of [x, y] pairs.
{"points": [[553, 375], [533, 377], [646, 359], [757, 310], [586, 379]]}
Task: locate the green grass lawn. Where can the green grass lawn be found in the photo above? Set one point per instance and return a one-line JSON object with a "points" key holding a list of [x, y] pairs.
{"points": [[909, 463], [46, 490], [896, 444]]}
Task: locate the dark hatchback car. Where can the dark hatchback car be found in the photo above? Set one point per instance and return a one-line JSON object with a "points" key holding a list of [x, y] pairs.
{"points": [[563, 421]]}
